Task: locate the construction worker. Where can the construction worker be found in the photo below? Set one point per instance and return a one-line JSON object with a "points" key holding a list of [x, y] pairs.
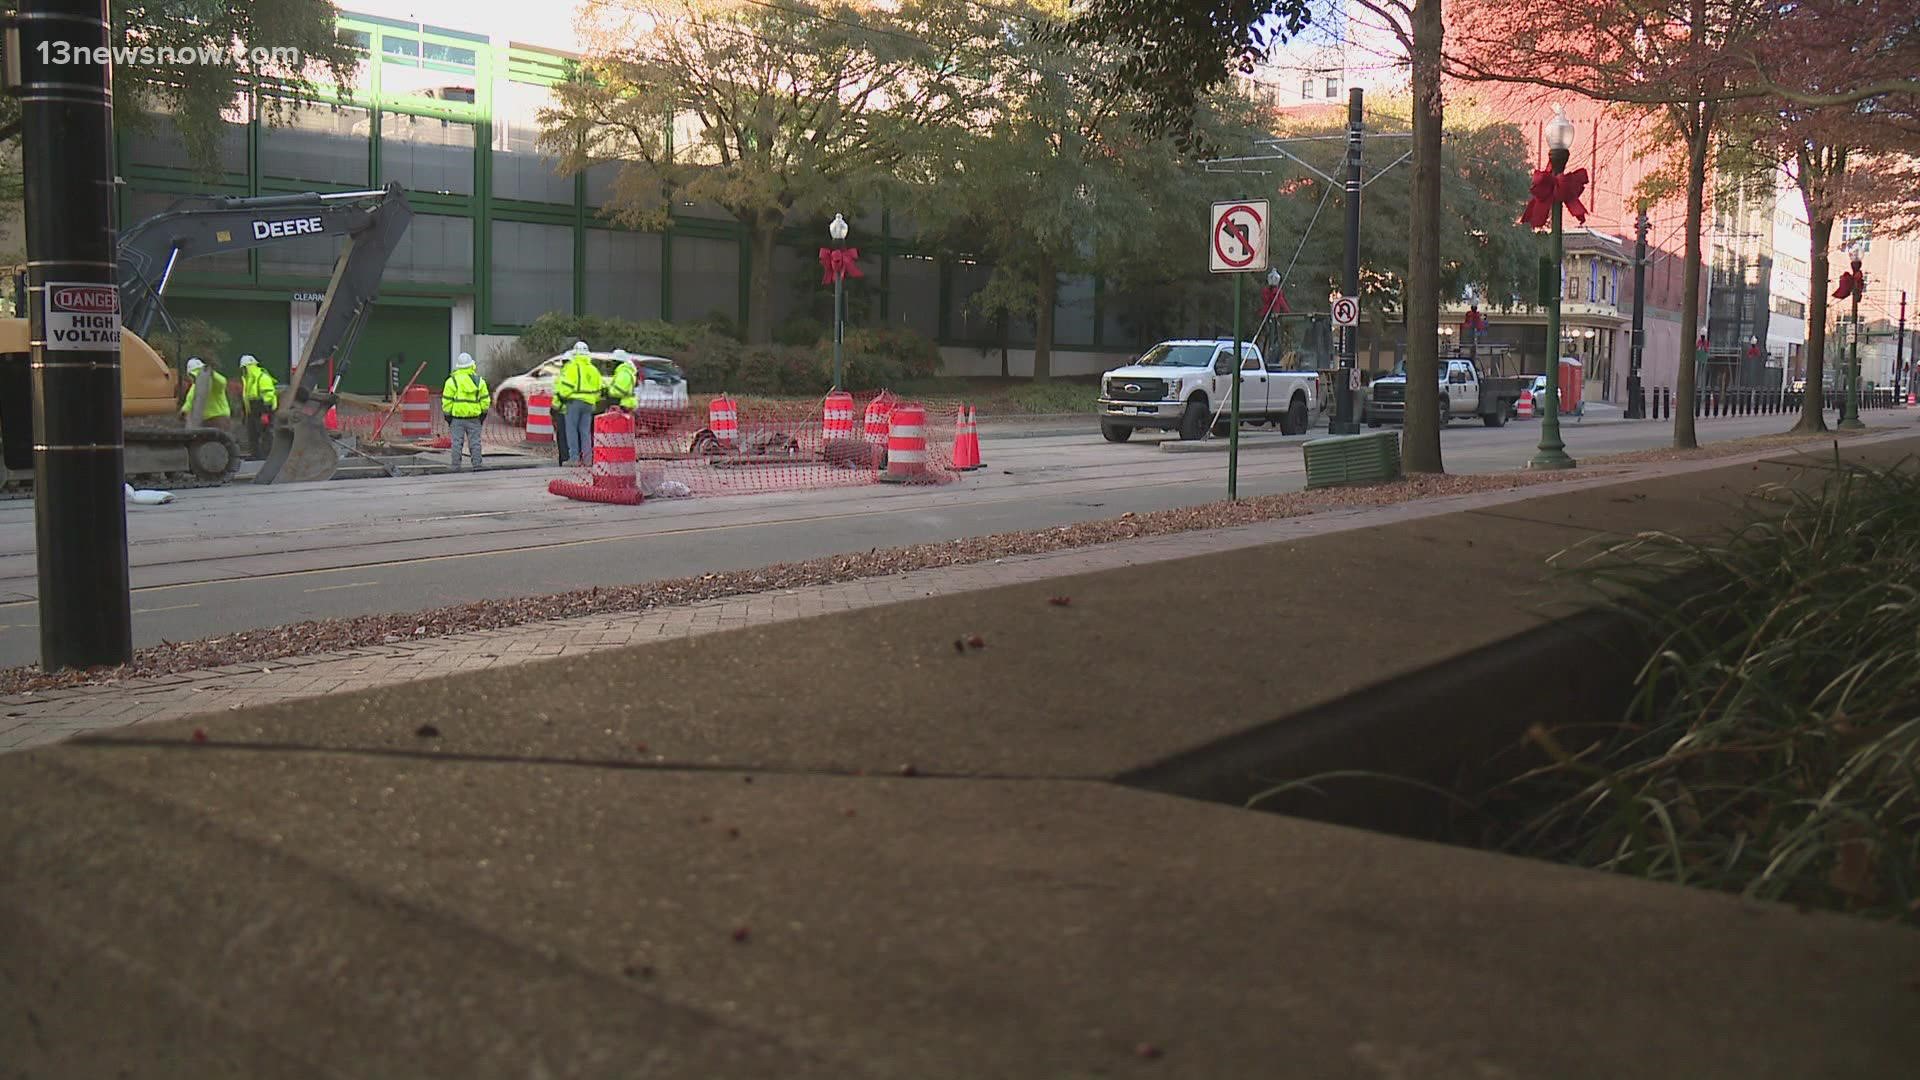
{"points": [[219, 409], [579, 386], [259, 397], [464, 399], [624, 387]]}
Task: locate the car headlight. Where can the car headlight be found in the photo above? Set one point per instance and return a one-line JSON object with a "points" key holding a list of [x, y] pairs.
{"points": [[1106, 387], [1175, 387]]}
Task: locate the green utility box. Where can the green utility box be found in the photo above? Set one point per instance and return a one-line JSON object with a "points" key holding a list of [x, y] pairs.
{"points": [[1352, 459]]}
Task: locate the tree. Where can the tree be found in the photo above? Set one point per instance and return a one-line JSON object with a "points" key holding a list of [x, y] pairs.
{"points": [[1060, 180], [774, 110], [194, 93]]}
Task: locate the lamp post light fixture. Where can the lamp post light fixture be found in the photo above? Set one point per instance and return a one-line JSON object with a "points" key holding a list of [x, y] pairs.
{"points": [[1850, 408], [838, 231], [1552, 452]]}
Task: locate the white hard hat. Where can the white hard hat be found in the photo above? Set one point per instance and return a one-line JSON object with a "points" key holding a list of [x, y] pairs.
{"points": [[194, 364], [248, 360], [580, 346], [620, 357], [465, 361]]}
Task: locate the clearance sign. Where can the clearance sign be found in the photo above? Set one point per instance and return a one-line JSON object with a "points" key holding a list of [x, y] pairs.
{"points": [[82, 316]]}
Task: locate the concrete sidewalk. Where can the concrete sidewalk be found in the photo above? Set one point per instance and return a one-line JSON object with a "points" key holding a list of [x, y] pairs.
{"points": [[843, 847]]}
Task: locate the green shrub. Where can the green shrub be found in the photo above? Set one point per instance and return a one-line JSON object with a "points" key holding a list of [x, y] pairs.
{"points": [[191, 337], [711, 362], [800, 330], [782, 369], [916, 355], [554, 333], [860, 370], [721, 323]]}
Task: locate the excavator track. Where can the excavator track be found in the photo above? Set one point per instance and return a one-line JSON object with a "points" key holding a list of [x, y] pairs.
{"points": [[213, 456]]}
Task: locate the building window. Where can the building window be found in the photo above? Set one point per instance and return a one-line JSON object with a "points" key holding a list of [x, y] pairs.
{"points": [[913, 296], [964, 320], [426, 153], [358, 40], [1073, 311], [401, 48], [1856, 232], [308, 256], [323, 143], [434, 52], [162, 145], [1306, 88], [437, 249], [532, 271], [623, 274], [706, 278], [520, 170], [1333, 86]]}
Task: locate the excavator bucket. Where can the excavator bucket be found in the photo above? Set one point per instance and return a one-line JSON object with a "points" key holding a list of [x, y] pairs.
{"points": [[302, 451]]}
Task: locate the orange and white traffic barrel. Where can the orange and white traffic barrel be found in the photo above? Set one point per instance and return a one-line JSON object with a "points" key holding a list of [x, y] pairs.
{"points": [[723, 419], [416, 413], [540, 417], [615, 475], [837, 420], [906, 444], [1525, 409], [878, 411]]}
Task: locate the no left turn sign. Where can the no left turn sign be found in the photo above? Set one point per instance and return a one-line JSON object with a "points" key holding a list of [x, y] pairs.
{"points": [[1238, 239]]}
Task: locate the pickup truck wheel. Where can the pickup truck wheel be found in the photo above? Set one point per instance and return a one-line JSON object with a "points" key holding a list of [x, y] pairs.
{"points": [[1446, 411], [1496, 418], [1116, 432], [1296, 420], [1193, 422]]}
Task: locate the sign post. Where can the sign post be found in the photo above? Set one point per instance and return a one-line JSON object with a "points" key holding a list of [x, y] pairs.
{"points": [[1237, 246]]}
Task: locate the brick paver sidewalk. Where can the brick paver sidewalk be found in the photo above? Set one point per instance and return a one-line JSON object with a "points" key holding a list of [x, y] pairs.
{"points": [[34, 719]]}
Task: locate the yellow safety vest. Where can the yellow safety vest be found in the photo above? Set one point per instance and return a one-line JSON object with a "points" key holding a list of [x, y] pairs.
{"points": [[256, 384], [578, 381], [216, 408], [464, 397], [624, 383]]}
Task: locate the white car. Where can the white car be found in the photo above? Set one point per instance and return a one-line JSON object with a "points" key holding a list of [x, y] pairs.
{"points": [[661, 393]]}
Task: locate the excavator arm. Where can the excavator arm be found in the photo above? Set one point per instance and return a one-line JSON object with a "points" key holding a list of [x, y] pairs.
{"points": [[372, 223]]}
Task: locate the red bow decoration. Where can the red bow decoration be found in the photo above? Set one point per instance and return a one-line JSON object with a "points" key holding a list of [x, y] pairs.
{"points": [[1272, 301], [1474, 322], [839, 263], [1850, 283], [1548, 189]]}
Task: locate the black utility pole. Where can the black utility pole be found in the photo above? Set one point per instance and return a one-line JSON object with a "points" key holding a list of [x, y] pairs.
{"points": [[1900, 353], [1636, 393], [58, 64], [1343, 421]]}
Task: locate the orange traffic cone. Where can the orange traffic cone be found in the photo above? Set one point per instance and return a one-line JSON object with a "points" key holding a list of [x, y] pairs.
{"points": [[333, 419], [966, 445]]}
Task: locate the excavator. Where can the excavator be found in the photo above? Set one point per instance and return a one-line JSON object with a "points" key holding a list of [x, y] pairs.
{"points": [[198, 456]]}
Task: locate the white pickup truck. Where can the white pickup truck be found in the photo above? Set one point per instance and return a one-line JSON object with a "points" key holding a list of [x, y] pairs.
{"points": [[1186, 386], [1464, 392]]}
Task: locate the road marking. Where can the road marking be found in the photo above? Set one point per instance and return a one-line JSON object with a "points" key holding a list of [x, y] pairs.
{"points": [[158, 610], [331, 588]]}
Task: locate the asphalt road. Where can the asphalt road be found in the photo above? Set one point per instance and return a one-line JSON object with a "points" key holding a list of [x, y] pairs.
{"points": [[239, 557]]}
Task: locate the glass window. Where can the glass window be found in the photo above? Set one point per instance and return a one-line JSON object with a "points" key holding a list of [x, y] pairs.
{"points": [[914, 299], [1306, 88], [796, 285], [161, 145], [309, 256], [520, 171], [600, 181], [426, 153], [532, 271], [405, 48], [323, 143], [357, 40], [706, 278], [1333, 87], [1073, 311], [436, 249], [623, 274], [448, 54], [142, 205], [964, 322]]}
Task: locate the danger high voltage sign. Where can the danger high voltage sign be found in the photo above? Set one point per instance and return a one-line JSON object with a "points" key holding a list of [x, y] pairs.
{"points": [[82, 315]]}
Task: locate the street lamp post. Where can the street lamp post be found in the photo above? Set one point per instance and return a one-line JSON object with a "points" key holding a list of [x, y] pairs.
{"points": [[1850, 408], [1273, 339], [838, 231], [1552, 452]]}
